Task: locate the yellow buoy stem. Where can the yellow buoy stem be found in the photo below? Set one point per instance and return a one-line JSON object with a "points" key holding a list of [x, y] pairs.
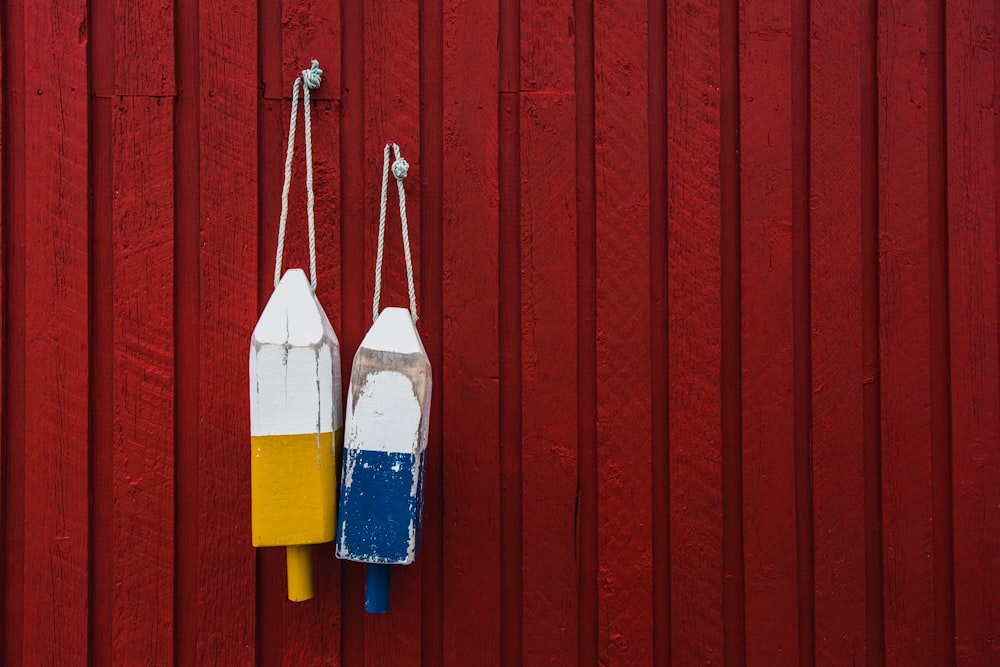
{"points": [[298, 559]]}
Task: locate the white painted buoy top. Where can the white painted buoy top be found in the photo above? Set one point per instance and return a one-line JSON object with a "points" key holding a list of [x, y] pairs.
{"points": [[294, 364], [394, 331]]}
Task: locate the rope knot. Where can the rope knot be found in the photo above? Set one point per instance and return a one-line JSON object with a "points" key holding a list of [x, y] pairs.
{"points": [[313, 76], [400, 168]]}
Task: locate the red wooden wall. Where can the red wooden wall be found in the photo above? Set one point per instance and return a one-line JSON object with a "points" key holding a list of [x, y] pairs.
{"points": [[710, 289]]}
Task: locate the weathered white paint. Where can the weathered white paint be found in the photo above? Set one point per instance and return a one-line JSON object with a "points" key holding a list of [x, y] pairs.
{"points": [[386, 415], [295, 382]]}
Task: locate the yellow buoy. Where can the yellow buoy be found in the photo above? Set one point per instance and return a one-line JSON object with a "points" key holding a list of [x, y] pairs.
{"points": [[296, 428]]}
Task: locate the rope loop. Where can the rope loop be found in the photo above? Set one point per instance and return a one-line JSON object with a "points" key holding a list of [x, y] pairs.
{"points": [[309, 80], [400, 168], [313, 76]]}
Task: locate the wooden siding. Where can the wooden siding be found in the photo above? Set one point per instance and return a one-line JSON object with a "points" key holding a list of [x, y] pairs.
{"points": [[710, 292]]}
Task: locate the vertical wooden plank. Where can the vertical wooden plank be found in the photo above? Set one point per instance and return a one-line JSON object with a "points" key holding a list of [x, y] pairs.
{"points": [[623, 354], [144, 46], [272, 584], [548, 326], [47, 444], [228, 308], [587, 515], [143, 377], [548, 402], [694, 332], [55, 325], [432, 281], [973, 74], [871, 357], [838, 375], [356, 316], [310, 29], [187, 349], [768, 430], [905, 335], [293, 32], [13, 361], [471, 364], [509, 321], [659, 352], [103, 107], [731, 362], [392, 113]]}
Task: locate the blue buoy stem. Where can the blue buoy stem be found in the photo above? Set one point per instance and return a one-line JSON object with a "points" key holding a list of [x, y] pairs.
{"points": [[377, 588]]}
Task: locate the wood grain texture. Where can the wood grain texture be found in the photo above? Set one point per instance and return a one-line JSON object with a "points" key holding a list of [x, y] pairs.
{"points": [[838, 467], [546, 50], [227, 297], [742, 254], [769, 522], [694, 334], [310, 30], [144, 46], [548, 401], [53, 298], [293, 33], [623, 355], [973, 153], [905, 336], [187, 309], [143, 458], [470, 373], [548, 334], [392, 113]]}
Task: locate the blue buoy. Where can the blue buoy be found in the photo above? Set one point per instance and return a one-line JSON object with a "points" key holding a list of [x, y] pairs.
{"points": [[385, 435]]}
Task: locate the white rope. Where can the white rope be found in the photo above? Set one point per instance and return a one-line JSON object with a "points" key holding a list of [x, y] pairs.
{"points": [[311, 78], [399, 169]]}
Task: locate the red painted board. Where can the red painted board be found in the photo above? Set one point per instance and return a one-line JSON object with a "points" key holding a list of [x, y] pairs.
{"points": [[13, 361], [431, 277], [144, 47], [48, 448], [392, 113], [905, 337], [304, 633], [293, 33], [769, 528], [659, 353], [470, 369], [547, 200], [973, 66], [625, 578], [838, 378], [694, 334], [228, 309], [356, 317], [548, 34], [143, 457], [549, 382]]}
